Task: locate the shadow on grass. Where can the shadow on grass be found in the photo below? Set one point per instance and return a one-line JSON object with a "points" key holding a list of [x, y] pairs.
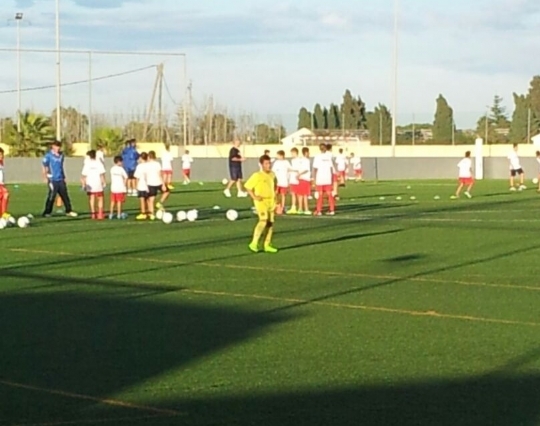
{"points": [[100, 344], [500, 400]]}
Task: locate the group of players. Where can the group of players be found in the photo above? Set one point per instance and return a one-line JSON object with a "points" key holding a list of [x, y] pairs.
{"points": [[133, 174], [299, 176]]}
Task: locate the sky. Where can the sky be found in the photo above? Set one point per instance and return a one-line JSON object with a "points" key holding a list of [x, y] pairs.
{"points": [[268, 58]]}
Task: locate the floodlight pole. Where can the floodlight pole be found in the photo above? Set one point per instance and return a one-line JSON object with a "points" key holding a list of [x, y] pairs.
{"points": [[18, 19], [90, 99], [58, 76], [395, 70]]}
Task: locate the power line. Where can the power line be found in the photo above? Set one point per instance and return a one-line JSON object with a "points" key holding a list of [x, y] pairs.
{"points": [[168, 90], [74, 83]]}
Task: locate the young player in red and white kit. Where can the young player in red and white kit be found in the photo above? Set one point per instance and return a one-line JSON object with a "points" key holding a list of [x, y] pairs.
{"points": [[304, 182], [281, 168], [187, 161], [356, 163], [167, 166], [341, 166], [294, 182], [465, 176], [93, 180], [4, 193], [119, 179], [323, 176]]}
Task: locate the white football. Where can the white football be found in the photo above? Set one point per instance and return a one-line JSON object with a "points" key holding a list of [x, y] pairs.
{"points": [[3, 223], [167, 218], [232, 215], [159, 215], [11, 221], [192, 215], [217, 208], [23, 222], [535, 181], [181, 216], [225, 181]]}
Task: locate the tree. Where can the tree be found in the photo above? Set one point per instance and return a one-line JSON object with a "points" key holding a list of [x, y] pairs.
{"points": [[304, 119], [110, 138], [34, 138], [494, 128], [352, 112], [534, 105], [379, 124], [334, 117], [265, 134], [74, 125], [319, 121], [520, 118], [443, 125]]}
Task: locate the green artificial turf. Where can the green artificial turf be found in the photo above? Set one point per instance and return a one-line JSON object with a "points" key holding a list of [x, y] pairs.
{"points": [[394, 312]]}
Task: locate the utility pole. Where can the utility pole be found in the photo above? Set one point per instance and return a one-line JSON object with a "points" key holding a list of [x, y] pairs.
{"points": [[453, 132], [413, 129], [150, 111], [58, 76], [160, 105], [18, 19], [395, 71], [529, 125]]}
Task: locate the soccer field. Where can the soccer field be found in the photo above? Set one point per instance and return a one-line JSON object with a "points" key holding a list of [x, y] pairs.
{"points": [[421, 312]]}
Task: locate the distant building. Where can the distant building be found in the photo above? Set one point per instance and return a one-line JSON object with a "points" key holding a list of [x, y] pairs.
{"points": [[306, 137]]}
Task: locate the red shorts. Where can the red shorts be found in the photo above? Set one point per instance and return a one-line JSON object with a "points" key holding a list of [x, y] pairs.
{"points": [[358, 172], [3, 191], [304, 188], [186, 172], [342, 174], [324, 188], [118, 198], [466, 181], [282, 191], [335, 178], [96, 194], [294, 189], [167, 172]]}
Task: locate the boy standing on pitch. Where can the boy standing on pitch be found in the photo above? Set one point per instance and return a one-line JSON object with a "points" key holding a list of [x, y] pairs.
{"points": [[167, 166], [465, 176], [93, 180], [4, 194], [281, 169], [324, 177], [294, 182], [304, 182], [516, 169], [261, 188], [186, 167], [142, 187], [118, 188]]}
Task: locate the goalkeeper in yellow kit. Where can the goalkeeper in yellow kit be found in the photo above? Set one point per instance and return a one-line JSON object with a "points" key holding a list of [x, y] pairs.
{"points": [[261, 188]]}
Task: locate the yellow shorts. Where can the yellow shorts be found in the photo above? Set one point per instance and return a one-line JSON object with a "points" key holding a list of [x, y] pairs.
{"points": [[265, 211]]}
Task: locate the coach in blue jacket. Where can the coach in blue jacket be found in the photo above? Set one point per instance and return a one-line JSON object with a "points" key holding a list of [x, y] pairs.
{"points": [[53, 173], [130, 157]]}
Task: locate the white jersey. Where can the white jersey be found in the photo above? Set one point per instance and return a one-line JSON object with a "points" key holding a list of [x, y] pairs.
{"points": [[92, 172], [100, 156], [515, 164], [2, 182], [186, 162], [118, 180], [293, 173], [341, 162], [465, 167], [304, 169], [281, 169], [140, 175], [324, 166], [153, 173], [356, 163], [167, 161], [538, 160]]}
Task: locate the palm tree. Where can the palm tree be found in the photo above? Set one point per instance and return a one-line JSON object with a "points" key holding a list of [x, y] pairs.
{"points": [[110, 138], [34, 137]]}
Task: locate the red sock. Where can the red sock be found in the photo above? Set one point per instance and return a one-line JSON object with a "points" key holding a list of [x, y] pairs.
{"points": [[331, 201]]}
